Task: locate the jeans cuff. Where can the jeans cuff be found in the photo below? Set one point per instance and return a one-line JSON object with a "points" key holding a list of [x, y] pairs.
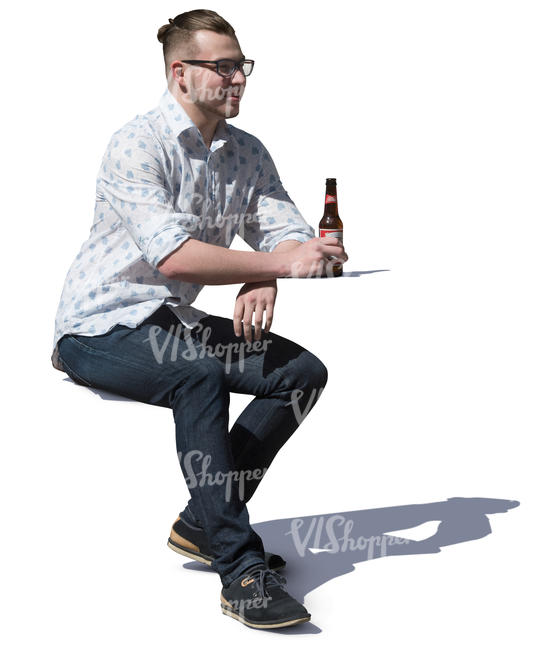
{"points": [[188, 516], [249, 561]]}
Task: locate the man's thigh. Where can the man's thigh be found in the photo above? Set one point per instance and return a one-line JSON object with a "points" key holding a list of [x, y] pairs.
{"points": [[256, 367], [146, 363]]}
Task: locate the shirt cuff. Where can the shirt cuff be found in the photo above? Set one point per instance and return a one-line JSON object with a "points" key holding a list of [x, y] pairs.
{"points": [[295, 237], [164, 242]]}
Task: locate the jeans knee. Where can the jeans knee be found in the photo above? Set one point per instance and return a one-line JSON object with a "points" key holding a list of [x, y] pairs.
{"points": [[312, 371], [321, 372]]}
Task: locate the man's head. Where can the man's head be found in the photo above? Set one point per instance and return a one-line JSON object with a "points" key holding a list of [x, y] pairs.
{"points": [[202, 35]]}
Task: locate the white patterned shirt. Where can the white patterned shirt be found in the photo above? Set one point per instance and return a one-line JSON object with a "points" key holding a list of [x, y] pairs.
{"points": [[157, 186]]}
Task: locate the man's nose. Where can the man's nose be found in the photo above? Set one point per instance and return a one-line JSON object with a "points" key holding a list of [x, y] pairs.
{"points": [[238, 77]]}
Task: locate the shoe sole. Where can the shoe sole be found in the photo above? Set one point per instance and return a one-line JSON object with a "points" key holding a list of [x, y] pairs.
{"points": [[229, 611], [195, 555], [188, 552]]}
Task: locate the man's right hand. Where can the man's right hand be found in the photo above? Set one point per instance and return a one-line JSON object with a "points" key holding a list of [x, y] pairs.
{"points": [[313, 258]]}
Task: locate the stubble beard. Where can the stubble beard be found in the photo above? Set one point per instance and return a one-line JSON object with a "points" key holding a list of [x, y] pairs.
{"points": [[223, 111], [204, 98]]}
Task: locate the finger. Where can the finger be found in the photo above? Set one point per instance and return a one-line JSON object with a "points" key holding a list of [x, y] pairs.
{"points": [[332, 242], [329, 268], [337, 251], [237, 318], [258, 320], [269, 316], [248, 315]]}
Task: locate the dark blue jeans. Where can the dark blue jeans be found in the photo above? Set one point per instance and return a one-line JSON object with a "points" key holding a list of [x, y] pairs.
{"points": [[192, 372]]}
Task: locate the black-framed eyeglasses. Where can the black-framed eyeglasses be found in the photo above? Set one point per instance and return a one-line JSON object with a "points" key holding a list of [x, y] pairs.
{"points": [[227, 67]]}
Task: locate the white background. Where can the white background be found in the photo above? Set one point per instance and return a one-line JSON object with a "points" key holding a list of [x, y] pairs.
{"points": [[438, 120]]}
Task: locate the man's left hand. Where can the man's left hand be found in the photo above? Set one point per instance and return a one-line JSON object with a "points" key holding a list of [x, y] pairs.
{"points": [[254, 298]]}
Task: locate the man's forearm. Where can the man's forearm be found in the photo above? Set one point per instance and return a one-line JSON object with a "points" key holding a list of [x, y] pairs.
{"points": [[285, 246], [196, 261]]}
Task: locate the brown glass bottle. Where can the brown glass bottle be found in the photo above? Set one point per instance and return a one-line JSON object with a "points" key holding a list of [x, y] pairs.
{"points": [[331, 224]]}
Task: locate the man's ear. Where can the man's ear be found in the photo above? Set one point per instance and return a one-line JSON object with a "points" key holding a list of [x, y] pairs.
{"points": [[177, 71]]}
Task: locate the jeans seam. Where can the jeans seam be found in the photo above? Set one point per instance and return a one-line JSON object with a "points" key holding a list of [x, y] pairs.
{"points": [[70, 371]]}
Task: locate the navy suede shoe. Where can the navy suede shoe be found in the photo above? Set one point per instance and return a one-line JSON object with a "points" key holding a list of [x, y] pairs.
{"points": [[192, 542], [258, 599]]}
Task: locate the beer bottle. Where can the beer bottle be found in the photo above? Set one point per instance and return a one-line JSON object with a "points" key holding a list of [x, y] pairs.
{"points": [[331, 225]]}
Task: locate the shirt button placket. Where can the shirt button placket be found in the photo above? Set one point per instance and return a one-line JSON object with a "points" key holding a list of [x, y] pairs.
{"points": [[210, 178]]}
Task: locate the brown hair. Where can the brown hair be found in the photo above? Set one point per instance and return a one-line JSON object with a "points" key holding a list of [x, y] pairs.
{"points": [[181, 31]]}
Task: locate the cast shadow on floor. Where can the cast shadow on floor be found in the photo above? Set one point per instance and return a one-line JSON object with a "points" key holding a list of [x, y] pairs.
{"points": [[320, 547]]}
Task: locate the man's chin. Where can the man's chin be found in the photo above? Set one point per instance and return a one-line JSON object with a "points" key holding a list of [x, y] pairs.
{"points": [[231, 111]]}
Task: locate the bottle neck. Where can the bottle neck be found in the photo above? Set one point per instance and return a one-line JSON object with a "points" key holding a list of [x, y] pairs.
{"points": [[331, 204]]}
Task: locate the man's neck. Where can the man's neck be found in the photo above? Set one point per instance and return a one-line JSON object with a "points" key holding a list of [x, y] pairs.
{"points": [[207, 125]]}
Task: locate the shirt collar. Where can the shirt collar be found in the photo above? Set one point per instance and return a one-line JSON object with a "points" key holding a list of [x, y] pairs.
{"points": [[179, 121], [221, 135]]}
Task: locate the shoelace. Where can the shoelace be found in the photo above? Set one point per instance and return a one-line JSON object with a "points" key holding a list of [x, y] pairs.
{"points": [[267, 578]]}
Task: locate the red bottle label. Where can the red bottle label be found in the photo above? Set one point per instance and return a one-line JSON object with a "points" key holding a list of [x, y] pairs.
{"points": [[330, 232], [329, 198]]}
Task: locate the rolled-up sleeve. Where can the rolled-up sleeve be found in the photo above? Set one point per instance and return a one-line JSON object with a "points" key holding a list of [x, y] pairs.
{"points": [[132, 181], [271, 216]]}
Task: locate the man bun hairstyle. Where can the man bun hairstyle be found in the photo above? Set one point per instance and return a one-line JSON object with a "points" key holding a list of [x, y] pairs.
{"points": [[180, 31]]}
